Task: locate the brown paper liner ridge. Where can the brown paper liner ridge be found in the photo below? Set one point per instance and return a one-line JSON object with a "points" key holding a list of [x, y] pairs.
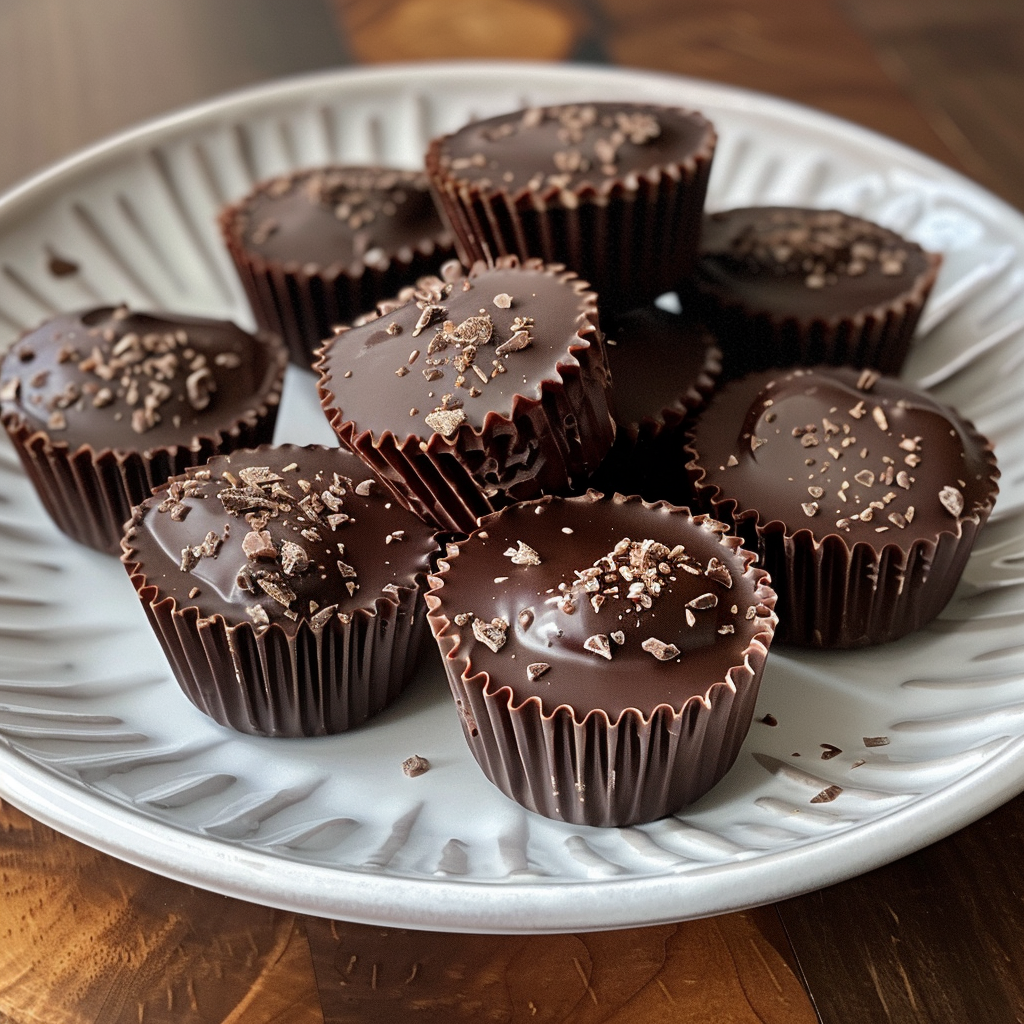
{"points": [[836, 595], [89, 493], [546, 445], [633, 238], [292, 683], [304, 304], [880, 337], [596, 771]]}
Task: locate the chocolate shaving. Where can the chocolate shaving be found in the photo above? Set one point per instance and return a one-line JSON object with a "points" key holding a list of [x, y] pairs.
{"points": [[827, 795]]}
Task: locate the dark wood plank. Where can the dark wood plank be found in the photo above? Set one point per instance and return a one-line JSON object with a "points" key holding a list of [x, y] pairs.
{"points": [[962, 62], [730, 968], [937, 936], [87, 939], [71, 73]]}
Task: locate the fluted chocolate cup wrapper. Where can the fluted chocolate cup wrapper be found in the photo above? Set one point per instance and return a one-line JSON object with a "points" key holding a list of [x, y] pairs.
{"points": [[458, 426], [785, 286], [98, 454], [327, 273], [613, 190], [607, 729], [664, 369], [269, 631], [862, 496]]}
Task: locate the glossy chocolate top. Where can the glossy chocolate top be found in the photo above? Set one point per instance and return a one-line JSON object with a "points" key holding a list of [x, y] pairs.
{"points": [[340, 216], [562, 147], [111, 378], [806, 264], [458, 350], [659, 361], [843, 451], [278, 534], [601, 604]]}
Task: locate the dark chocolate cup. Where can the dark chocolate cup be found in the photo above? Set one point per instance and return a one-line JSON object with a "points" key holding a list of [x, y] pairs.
{"points": [[267, 681], [633, 238], [304, 303], [877, 336], [837, 595], [547, 445], [647, 456], [90, 492], [591, 770]]}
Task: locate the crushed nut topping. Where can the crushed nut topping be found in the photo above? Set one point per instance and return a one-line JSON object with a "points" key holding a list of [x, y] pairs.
{"points": [[415, 766], [493, 634], [523, 554], [661, 650]]}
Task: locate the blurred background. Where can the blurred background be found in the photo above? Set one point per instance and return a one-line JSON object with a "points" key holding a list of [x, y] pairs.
{"points": [[944, 76]]}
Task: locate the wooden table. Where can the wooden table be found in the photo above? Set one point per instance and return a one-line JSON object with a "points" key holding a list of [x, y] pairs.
{"points": [[935, 937]]}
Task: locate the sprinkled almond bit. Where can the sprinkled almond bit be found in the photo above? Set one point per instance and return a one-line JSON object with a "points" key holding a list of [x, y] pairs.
{"points": [[867, 380], [815, 492], [401, 371], [445, 422], [279, 591], [415, 766], [660, 650], [810, 508], [952, 501], [878, 415], [864, 477], [428, 313], [536, 670], [523, 554], [703, 602], [809, 441], [719, 572], [323, 616], [757, 442], [258, 614], [732, 461], [9, 390], [503, 300], [394, 536], [599, 644], [492, 634], [193, 593], [858, 410], [618, 637], [827, 795], [393, 328], [57, 420]]}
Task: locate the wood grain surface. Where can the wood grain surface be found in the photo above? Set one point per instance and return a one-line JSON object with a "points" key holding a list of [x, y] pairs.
{"points": [[937, 937]]}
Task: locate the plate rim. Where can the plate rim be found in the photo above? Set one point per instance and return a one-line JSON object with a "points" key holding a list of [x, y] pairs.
{"points": [[491, 907]]}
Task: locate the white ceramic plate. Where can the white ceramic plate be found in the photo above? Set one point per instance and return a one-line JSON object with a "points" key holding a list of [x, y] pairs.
{"points": [[96, 739]]}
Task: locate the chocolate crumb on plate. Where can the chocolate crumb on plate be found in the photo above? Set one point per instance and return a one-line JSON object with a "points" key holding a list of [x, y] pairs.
{"points": [[415, 765]]}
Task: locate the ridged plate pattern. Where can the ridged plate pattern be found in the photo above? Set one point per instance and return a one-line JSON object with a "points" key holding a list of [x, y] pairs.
{"points": [[96, 739]]}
